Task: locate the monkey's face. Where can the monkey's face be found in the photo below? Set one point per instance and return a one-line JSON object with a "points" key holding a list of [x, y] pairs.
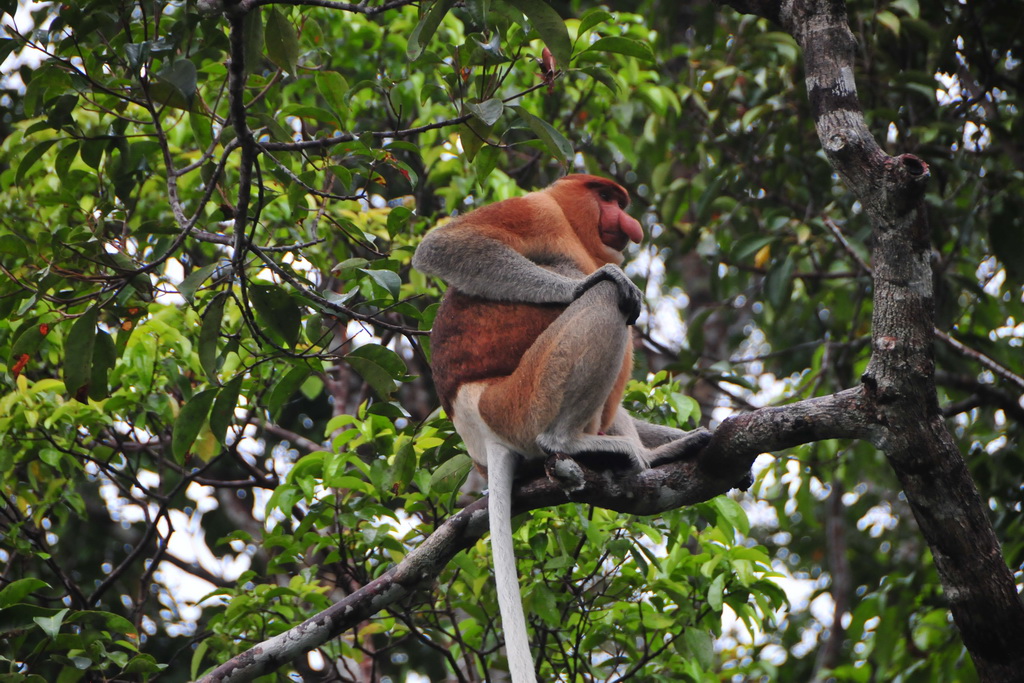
{"points": [[596, 209], [616, 227]]}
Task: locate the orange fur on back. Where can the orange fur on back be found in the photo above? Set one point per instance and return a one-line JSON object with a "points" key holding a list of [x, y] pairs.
{"points": [[467, 346]]}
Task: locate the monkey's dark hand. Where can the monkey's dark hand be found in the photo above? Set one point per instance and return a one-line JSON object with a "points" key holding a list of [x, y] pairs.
{"points": [[630, 297]]}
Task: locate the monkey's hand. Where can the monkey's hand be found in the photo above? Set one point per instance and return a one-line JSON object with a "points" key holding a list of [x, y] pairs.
{"points": [[630, 297]]}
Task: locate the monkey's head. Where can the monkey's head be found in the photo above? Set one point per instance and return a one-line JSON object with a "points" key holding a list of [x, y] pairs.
{"points": [[596, 208]]}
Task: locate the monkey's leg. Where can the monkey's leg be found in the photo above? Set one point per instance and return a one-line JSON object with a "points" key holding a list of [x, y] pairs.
{"points": [[663, 444], [552, 402]]}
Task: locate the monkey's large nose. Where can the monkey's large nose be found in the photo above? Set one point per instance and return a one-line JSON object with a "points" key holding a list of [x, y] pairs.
{"points": [[631, 227]]}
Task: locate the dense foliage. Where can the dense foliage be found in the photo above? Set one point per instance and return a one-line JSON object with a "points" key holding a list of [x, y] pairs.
{"points": [[215, 408]]}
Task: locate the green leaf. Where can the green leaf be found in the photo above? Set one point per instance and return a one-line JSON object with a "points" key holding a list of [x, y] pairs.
{"points": [[473, 134], [333, 88], [701, 645], [542, 602], [51, 625], [59, 112], [715, 592], [78, 351], [252, 32], [282, 41], [384, 357], [379, 366], [209, 335], [731, 511], [7, 45], [197, 659], [202, 128], [398, 218], [13, 246], [182, 77], [103, 620], [145, 664], [27, 340], [190, 285], [488, 111], [65, 157], [15, 591], [778, 284], [604, 77], [387, 279], [92, 152], [403, 466], [911, 7], [277, 311], [549, 27], [623, 46], [138, 55], [190, 420], [224, 409], [748, 246], [889, 20], [350, 264], [450, 474], [104, 357], [376, 376], [485, 161], [592, 19], [686, 407], [286, 388], [29, 160], [426, 27], [556, 143]]}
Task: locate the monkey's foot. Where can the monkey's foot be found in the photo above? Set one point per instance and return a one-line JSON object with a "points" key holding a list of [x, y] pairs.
{"points": [[565, 472], [683, 448]]}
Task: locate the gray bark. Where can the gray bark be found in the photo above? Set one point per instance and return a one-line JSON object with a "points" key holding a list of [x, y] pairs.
{"points": [[899, 382]]}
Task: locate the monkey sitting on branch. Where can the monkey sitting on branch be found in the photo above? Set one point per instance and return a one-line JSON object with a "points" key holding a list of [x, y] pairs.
{"points": [[531, 349]]}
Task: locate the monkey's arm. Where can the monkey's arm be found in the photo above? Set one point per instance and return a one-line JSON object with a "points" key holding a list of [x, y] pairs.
{"points": [[485, 267]]}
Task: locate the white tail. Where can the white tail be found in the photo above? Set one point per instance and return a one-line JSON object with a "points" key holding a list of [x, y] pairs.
{"points": [[500, 472]]}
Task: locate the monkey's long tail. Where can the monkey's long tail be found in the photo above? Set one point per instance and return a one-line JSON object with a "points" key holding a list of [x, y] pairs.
{"points": [[500, 472]]}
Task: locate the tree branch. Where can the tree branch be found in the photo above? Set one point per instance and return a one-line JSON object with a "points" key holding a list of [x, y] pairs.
{"points": [[725, 460], [899, 380]]}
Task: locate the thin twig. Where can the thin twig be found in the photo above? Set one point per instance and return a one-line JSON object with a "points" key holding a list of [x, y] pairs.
{"points": [[988, 363]]}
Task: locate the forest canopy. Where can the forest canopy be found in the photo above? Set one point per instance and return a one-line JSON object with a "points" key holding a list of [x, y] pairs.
{"points": [[217, 415]]}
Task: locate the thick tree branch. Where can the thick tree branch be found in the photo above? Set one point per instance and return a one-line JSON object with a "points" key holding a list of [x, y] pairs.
{"points": [[358, 8], [900, 376], [725, 460]]}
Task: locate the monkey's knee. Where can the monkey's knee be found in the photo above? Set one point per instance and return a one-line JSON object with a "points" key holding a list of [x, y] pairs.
{"points": [[595, 319]]}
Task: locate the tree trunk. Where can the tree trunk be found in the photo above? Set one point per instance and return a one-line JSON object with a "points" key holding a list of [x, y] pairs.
{"points": [[900, 379]]}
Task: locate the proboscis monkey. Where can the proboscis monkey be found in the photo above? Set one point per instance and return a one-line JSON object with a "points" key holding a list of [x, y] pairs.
{"points": [[532, 349]]}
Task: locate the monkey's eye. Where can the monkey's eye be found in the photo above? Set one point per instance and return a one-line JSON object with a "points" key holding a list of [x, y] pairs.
{"points": [[605, 195]]}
